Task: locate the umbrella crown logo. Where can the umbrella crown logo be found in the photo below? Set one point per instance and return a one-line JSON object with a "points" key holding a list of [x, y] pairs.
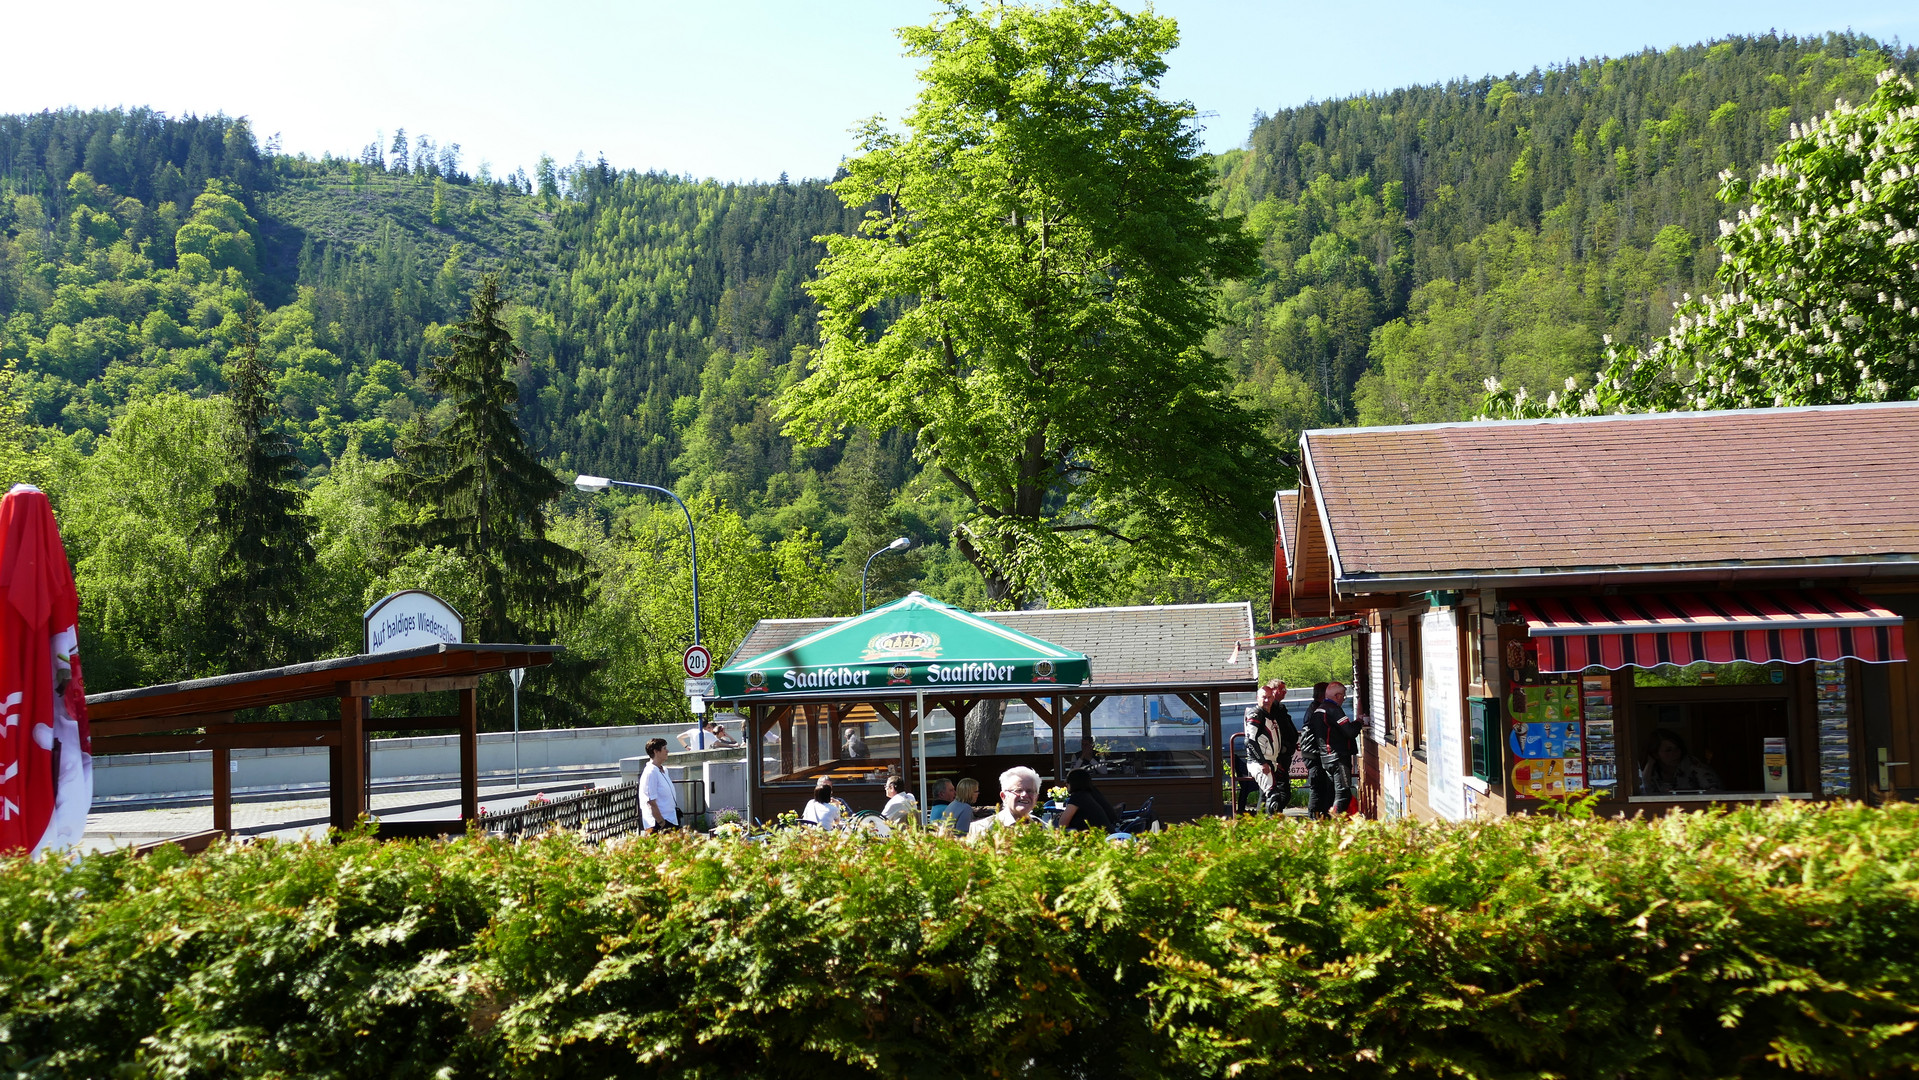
{"points": [[901, 644]]}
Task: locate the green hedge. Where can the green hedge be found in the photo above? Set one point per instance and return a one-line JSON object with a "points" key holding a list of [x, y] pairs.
{"points": [[1724, 944]]}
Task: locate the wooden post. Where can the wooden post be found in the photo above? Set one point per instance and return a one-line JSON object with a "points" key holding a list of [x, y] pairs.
{"points": [[812, 736], [754, 720], [223, 791], [833, 713], [1057, 722], [787, 750], [1213, 725], [909, 721], [469, 755], [336, 802], [352, 778]]}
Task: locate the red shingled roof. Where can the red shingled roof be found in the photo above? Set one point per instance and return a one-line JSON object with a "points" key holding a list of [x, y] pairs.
{"points": [[1770, 486]]}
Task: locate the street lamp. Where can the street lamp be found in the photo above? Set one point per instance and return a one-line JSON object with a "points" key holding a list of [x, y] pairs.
{"points": [[517, 675], [601, 483], [899, 544]]}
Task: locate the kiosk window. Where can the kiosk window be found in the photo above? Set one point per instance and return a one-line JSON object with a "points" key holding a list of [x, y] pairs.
{"points": [[1708, 728]]}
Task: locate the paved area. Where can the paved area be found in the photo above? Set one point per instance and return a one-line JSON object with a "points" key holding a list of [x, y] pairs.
{"points": [[305, 815]]}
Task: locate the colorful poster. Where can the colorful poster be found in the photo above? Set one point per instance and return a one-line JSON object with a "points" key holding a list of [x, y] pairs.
{"points": [[1547, 740]]}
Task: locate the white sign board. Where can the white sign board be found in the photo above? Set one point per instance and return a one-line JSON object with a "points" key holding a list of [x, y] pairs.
{"points": [[1445, 715], [411, 619], [698, 687]]}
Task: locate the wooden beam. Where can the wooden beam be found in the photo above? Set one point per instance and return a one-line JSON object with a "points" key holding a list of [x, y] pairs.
{"points": [[1200, 707], [384, 687], [450, 722], [353, 757], [222, 791], [193, 843], [958, 708], [1042, 710], [469, 755], [215, 740], [156, 725]]}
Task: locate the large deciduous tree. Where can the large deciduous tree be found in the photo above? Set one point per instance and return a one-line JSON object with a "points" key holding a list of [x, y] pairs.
{"points": [[482, 492], [1028, 293], [1821, 272], [261, 528]]}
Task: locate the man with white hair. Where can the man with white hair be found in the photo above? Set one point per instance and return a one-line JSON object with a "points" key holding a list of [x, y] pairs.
{"points": [[1018, 794]]}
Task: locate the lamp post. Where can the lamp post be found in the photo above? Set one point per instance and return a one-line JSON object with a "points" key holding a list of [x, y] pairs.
{"points": [[601, 483], [517, 675], [900, 543]]}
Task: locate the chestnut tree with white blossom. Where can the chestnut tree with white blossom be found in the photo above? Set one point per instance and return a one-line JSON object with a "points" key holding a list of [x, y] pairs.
{"points": [[1821, 271]]}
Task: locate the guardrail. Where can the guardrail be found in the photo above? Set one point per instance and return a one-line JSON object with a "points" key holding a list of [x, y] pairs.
{"points": [[600, 814]]}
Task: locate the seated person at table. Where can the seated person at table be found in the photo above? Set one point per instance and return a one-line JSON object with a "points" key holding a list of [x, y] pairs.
{"points": [[1086, 808], [942, 797], [855, 744], [901, 805], [957, 813], [821, 810], [1671, 769], [1018, 793]]}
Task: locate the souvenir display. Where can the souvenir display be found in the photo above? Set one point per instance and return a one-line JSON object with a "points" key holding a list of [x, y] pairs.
{"points": [[1601, 757], [1835, 745]]}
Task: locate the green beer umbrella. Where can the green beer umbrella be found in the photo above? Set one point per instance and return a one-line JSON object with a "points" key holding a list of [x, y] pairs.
{"points": [[912, 645]]}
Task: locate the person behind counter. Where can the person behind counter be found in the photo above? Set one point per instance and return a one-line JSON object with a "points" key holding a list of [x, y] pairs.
{"points": [[1672, 769]]}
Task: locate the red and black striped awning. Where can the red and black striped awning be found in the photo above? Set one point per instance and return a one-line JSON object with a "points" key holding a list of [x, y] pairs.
{"points": [[1756, 626]]}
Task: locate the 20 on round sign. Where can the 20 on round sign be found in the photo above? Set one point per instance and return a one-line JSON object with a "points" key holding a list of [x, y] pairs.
{"points": [[697, 662]]}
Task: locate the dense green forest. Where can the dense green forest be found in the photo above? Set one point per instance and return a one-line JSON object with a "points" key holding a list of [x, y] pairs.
{"points": [[1414, 243], [1420, 241]]}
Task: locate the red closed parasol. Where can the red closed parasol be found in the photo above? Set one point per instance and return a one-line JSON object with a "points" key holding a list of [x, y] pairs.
{"points": [[46, 755]]}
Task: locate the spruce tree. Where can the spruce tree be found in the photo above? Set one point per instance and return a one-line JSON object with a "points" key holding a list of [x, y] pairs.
{"points": [[483, 493], [261, 527]]}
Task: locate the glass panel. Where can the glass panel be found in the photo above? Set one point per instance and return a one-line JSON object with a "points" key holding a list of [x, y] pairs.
{"points": [[1708, 746], [1152, 735], [1734, 674], [799, 751]]}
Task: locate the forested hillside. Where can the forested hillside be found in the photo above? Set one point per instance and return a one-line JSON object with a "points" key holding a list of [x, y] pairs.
{"points": [[1414, 243], [1420, 241]]}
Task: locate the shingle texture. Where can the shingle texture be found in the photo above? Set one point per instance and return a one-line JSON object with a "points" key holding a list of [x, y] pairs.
{"points": [[1171, 645], [1671, 489]]}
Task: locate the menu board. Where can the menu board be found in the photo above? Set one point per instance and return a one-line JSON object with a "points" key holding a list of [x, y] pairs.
{"points": [[1546, 739]]}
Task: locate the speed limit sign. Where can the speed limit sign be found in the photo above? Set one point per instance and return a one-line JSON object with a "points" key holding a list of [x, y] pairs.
{"points": [[697, 662]]}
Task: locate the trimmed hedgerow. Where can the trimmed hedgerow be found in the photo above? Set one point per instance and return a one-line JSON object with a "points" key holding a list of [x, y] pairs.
{"points": [[1780, 940]]}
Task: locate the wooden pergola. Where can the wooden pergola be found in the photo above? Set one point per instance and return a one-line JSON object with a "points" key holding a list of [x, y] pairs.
{"points": [[1185, 652], [200, 715]]}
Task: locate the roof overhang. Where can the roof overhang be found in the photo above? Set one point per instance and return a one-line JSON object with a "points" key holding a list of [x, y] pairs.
{"points": [[1860, 568], [308, 682]]}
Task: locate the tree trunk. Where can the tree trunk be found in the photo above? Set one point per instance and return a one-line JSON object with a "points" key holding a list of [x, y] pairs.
{"points": [[982, 728]]}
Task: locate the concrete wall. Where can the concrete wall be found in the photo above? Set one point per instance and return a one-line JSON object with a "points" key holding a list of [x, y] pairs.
{"points": [[133, 777]]}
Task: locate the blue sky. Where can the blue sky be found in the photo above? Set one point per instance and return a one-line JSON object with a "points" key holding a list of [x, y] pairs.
{"points": [[746, 89]]}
